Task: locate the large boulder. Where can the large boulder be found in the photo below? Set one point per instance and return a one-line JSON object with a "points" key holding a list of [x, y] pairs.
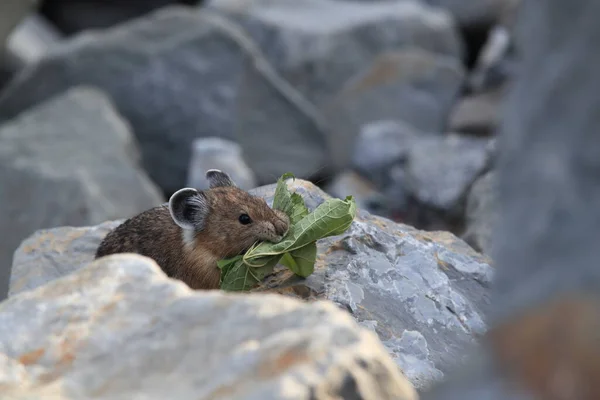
{"points": [[171, 74], [314, 47], [118, 328], [69, 161], [412, 85], [423, 293]]}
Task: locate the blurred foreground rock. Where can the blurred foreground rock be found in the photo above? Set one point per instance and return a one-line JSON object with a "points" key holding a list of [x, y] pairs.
{"points": [[422, 292], [69, 161], [119, 329]]}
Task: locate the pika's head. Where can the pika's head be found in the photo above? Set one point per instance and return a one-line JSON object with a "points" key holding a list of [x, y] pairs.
{"points": [[226, 218]]}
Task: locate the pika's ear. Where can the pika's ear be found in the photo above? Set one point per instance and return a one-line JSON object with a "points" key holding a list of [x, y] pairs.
{"points": [[189, 208], [218, 178]]}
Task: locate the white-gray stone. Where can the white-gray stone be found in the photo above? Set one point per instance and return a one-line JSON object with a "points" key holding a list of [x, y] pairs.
{"points": [[120, 329]]}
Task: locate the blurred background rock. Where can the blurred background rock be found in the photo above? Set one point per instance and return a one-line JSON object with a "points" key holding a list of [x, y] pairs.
{"points": [[396, 102]]}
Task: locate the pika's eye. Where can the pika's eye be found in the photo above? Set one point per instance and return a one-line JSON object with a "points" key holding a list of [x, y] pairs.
{"points": [[244, 219]]}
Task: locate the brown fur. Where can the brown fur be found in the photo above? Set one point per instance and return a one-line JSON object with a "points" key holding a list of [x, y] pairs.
{"points": [[154, 234]]}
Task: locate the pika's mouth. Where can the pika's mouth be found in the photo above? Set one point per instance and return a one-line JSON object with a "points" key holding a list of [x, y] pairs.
{"points": [[276, 238]]}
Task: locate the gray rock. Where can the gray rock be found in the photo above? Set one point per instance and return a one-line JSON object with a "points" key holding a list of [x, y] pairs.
{"points": [[120, 329], [350, 183], [440, 170], [479, 113], [379, 147], [64, 249], [481, 213], [415, 86], [422, 292], [69, 161], [474, 14], [317, 46], [218, 153], [31, 39], [546, 237], [496, 63], [13, 12], [172, 74]]}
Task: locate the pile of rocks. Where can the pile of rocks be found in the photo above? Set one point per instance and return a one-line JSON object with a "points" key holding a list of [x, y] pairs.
{"points": [[395, 102], [377, 99]]}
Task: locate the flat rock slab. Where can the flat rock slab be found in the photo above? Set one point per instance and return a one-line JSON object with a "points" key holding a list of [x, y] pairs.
{"points": [[423, 293], [120, 329]]}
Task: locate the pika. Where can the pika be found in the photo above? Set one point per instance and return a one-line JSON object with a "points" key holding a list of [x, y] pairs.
{"points": [[195, 229]]}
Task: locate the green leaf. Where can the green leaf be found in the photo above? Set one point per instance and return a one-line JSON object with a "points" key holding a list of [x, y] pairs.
{"points": [[332, 217], [301, 261], [236, 276], [298, 249]]}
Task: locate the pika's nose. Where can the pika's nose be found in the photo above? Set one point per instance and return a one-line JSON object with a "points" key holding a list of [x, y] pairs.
{"points": [[282, 223]]}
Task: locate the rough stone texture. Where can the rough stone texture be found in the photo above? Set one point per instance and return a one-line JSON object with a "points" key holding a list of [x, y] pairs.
{"points": [[120, 329], [440, 170], [217, 153], [69, 161], [317, 46], [172, 74], [481, 213], [479, 113], [415, 86], [63, 249], [422, 292]]}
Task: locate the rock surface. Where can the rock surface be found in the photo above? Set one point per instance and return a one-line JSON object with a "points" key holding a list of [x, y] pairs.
{"points": [[120, 329], [475, 14], [480, 113], [440, 170], [171, 74], [423, 293], [414, 86], [317, 46], [481, 213], [13, 12], [69, 161], [350, 183], [217, 153], [379, 147]]}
